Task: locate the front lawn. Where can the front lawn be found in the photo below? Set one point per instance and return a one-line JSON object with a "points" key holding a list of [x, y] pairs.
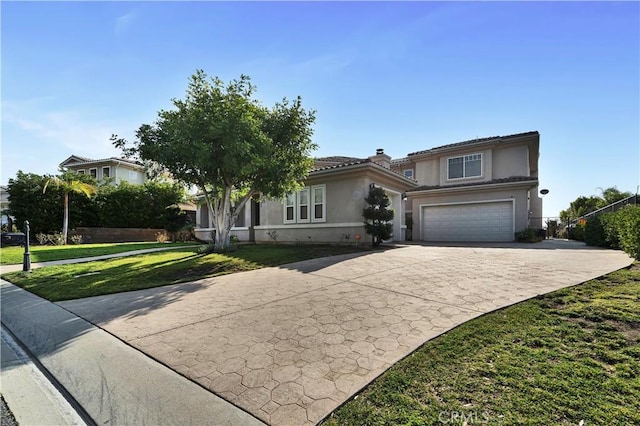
{"points": [[13, 255], [157, 269], [568, 356]]}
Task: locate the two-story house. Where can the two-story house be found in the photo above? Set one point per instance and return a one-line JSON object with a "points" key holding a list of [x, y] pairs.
{"points": [[113, 169], [478, 190]]}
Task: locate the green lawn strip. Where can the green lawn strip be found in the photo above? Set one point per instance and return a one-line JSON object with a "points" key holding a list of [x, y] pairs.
{"points": [[13, 255], [64, 282], [568, 356]]}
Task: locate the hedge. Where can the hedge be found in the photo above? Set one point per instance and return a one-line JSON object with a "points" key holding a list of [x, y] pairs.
{"points": [[620, 229]]}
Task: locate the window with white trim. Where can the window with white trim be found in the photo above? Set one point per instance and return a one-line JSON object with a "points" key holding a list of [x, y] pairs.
{"points": [[307, 205], [290, 208], [303, 205], [93, 173], [408, 173], [106, 172], [81, 172], [319, 203], [465, 166]]}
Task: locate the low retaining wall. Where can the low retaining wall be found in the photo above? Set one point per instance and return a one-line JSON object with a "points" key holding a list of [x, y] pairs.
{"points": [[117, 235]]}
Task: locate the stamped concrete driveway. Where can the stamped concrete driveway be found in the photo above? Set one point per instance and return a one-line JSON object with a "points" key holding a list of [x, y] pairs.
{"points": [[290, 344]]}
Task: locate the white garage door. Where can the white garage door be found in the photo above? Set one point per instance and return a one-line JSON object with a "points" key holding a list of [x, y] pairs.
{"points": [[487, 221]]}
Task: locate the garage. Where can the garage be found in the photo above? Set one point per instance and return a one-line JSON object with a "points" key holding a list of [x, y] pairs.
{"points": [[478, 221]]}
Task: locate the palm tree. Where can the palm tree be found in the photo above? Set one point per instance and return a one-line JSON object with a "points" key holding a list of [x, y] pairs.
{"points": [[68, 185]]}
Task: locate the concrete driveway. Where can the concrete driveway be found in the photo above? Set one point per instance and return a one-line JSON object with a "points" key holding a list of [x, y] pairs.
{"points": [[290, 344]]}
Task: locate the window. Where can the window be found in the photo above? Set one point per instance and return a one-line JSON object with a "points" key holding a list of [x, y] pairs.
{"points": [[319, 206], [133, 175], [93, 173], [408, 173], [81, 171], [306, 205], [290, 208], [106, 172], [303, 205], [464, 167]]}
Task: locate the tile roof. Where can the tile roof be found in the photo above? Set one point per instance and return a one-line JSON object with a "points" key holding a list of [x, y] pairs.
{"points": [[490, 182], [346, 164], [474, 141], [105, 160], [338, 159]]}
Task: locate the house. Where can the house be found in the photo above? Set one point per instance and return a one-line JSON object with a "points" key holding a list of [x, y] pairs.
{"points": [[477, 190], [117, 169]]}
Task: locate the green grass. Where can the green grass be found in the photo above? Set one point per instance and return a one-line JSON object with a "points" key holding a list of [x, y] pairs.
{"points": [[568, 356], [13, 255], [66, 282]]}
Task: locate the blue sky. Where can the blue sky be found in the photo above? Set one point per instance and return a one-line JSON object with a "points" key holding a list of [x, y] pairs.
{"points": [[399, 76]]}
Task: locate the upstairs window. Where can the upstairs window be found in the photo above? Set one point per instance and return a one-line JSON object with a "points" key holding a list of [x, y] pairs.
{"points": [[465, 166], [408, 173]]}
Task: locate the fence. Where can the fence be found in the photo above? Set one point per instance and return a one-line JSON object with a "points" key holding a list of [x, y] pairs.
{"points": [[117, 235]]}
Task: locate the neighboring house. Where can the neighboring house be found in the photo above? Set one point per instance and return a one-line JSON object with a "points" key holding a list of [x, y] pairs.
{"points": [[116, 169], [5, 219], [478, 190]]}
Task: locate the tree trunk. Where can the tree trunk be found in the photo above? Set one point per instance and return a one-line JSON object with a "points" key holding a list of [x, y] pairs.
{"points": [[65, 222]]}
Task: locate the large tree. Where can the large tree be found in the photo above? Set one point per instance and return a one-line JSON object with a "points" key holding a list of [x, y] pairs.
{"points": [[222, 140], [69, 184]]}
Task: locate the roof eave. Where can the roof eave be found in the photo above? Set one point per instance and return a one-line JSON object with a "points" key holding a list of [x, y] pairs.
{"points": [[526, 183]]}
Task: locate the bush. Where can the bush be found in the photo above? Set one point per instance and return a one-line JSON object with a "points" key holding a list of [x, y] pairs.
{"points": [[42, 238], [594, 232], [577, 232], [620, 229], [628, 225], [528, 235], [76, 239], [161, 237]]}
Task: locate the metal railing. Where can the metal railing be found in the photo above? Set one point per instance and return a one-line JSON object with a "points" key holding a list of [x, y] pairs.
{"points": [[608, 209]]}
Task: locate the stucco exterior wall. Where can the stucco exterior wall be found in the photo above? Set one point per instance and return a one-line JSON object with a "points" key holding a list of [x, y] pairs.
{"points": [[510, 161], [345, 196]]}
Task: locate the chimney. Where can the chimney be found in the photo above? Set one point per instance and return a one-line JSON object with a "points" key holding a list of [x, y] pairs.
{"points": [[381, 158]]}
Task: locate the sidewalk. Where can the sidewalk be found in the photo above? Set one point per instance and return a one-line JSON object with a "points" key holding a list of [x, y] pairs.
{"points": [[13, 268], [114, 383]]}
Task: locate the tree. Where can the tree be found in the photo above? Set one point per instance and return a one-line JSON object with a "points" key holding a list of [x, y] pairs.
{"points": [[69, 184], [579, 207], [229, 145], [612, 195], [378, 216], [42, 210]]}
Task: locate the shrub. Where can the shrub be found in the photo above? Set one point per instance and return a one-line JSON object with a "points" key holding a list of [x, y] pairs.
{"points": [[76, 239], [56, 239], [611, 231], [594, 232], [161, 237], [42, 238], [577, 232], [528, 235], [628, 225]]}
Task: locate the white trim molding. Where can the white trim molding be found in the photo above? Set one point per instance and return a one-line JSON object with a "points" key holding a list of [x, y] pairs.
{"points": [[310, 226]]}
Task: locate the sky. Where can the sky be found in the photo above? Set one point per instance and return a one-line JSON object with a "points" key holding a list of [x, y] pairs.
{"points": [[402, 76]]}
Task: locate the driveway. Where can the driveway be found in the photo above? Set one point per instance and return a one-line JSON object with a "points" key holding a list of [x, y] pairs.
{"points": [[290, 344]]}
